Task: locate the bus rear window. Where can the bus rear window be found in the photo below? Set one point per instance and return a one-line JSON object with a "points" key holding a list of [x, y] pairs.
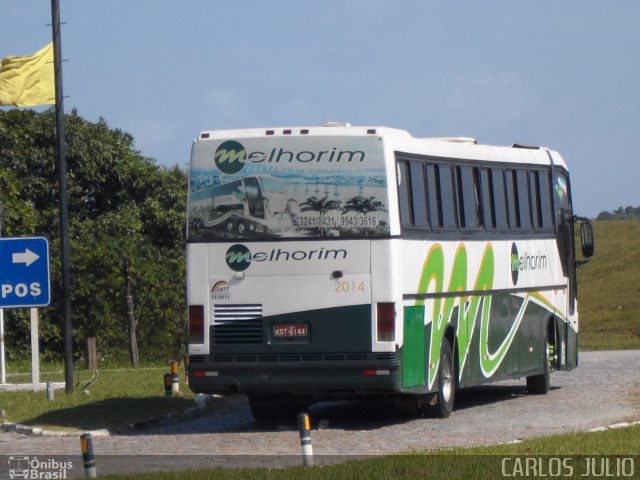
{"points": [[293, 187]]}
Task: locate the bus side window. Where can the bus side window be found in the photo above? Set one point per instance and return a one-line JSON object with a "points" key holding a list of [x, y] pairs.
{"points": [[469, 197], [404, 194], [418, 195], [522, 182], [512, 200], [546, 208], [541, 199], [435, 206], [534, 195], [561, 191], [447, 195], [488, 200], [499, 198]]}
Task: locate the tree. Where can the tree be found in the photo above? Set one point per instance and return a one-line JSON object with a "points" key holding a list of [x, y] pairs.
{"points": [[606, 216], [627, 213], [120, 203]]}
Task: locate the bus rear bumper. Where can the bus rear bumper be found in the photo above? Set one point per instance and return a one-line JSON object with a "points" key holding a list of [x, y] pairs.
{"points": [[317, 379]]}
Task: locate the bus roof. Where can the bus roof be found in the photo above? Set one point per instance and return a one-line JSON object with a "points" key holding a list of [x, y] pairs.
{"points": [[402, 140]]}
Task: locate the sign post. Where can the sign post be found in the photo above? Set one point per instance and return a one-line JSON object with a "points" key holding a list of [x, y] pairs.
{"points": [[24, 282]]}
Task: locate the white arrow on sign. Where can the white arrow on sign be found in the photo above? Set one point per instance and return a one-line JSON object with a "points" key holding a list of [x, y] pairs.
{"points": [[27, 257]]}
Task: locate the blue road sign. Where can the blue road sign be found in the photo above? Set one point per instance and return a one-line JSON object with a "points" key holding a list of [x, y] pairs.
{"points": [[24, 272]]}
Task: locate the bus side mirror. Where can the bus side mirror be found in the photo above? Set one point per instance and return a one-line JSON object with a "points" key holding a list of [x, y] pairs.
{"points": [[586, 238]]}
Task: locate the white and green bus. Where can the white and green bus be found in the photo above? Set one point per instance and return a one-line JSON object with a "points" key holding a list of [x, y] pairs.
{"points": [[360, 262]]}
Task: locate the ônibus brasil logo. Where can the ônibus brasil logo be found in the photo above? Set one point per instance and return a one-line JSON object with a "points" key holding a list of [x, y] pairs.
{"points": [[238, 257], [230, 157]]}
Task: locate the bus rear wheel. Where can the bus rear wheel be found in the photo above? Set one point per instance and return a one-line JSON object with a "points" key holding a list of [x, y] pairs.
{"points": [[446, 382]]}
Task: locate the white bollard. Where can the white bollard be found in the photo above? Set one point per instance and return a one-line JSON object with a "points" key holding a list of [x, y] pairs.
{"points": [[88, 460], [305, 439], [175, 380]]}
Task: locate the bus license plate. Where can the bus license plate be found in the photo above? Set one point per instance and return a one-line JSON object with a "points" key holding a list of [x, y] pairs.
{"points": [[291, 330]]}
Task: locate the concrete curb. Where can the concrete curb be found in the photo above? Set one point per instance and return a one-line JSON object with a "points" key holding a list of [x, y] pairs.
{"points": [[615, 426], [174, 417], [40, 432]]}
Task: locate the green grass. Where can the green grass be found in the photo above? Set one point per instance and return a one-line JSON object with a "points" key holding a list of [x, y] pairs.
{"points": [[111, 398], [481, 462], [609, 288]]}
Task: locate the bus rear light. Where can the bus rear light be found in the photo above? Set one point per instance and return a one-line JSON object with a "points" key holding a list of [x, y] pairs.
{"points": [[386, 322], [202, 373], [374, 373], [196, 324]]}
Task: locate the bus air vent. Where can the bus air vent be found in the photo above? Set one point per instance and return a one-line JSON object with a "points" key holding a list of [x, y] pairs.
{"points": [[526, 147], [338, 124], [237, 324]]}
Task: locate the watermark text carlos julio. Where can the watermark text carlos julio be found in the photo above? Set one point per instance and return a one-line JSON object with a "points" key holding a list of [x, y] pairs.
{"points": [[588, 467]]}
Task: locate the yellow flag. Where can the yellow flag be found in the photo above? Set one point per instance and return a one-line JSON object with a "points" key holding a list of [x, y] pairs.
{"points": [[27, 81]]}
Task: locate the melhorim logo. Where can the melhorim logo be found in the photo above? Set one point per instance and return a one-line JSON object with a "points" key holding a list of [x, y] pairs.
{"points": [[525, 262], [231, 156], [239, 257]]}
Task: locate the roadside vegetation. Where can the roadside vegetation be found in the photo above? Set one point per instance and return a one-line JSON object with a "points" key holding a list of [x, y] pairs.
{"points": [[106, 399], [120, 205], [609, 288]]}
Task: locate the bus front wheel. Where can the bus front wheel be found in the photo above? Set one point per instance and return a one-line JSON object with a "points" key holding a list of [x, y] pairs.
{"points": [[541, 384]]}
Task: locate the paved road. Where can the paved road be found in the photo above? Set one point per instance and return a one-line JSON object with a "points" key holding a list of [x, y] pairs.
{"points": [[605, 389]]}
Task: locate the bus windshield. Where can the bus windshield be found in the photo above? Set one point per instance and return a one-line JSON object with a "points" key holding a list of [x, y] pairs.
{"points": [[253, 188]]}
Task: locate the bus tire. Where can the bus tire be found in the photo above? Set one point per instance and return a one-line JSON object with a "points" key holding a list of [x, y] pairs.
{"points": [[446, 382], [541, 384]]}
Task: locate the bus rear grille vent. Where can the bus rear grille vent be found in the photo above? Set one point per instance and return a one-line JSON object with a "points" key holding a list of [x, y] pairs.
{"points": [[237, 324], [387, 356], [306, 357], [224, 358]]}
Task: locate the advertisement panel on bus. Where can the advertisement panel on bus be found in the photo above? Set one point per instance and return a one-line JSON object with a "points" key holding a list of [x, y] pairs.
{"points": [[327, 186]]}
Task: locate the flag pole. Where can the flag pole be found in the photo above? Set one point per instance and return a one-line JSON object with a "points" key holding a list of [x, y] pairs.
{"points": [[62, 197]]}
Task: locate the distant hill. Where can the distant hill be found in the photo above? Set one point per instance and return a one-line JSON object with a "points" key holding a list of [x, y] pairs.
{"points": [[609, 288], [627, 213]]}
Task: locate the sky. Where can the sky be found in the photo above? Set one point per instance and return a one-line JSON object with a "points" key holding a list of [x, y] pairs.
{"points": [[564, 74]]}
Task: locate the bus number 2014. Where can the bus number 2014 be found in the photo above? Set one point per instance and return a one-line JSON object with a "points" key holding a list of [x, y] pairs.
{"points": [[347, 286]]}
